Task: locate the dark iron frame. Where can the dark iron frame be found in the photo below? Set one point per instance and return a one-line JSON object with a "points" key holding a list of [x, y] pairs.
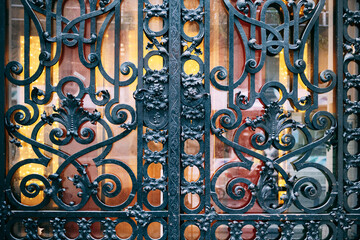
{"points": [[177, 130]]}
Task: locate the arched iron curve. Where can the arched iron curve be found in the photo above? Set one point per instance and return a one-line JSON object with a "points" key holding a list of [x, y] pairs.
{"points": [[173, 108]]}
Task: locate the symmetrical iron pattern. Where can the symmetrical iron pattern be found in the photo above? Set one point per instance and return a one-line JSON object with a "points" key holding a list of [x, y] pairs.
{"points": [[274, 129], [173, 110], [69, 123], [155, 98], [194, 99], [192, 107], [70, 116], [274, 121], [153, 91]]}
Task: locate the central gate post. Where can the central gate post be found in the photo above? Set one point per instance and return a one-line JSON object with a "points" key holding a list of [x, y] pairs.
{"points": [[174, 121]]}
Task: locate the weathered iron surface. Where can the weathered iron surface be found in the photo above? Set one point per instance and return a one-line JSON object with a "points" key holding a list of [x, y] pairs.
{"points": [[173, 106]]}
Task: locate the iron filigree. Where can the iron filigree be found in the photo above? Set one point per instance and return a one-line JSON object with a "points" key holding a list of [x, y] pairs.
{"points": [[141, 216], [340, 218], [236, 230], [58, 228], [207, 218], [173, 112], [313, 230], [5, 213]]}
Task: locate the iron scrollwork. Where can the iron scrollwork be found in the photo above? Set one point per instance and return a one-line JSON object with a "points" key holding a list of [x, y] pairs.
{"points": [[169, 116], [68, 122], [275, 128]]}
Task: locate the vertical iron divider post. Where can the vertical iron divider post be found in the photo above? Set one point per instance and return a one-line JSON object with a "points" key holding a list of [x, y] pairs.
{"points": [[207, 163], [139, 110], [340, 106], [174, 118]]}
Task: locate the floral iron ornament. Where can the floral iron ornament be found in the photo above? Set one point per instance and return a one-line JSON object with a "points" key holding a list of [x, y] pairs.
{"points": [[173, 108], [69, 120], [273, 123], [72, 116], [141, 216], [274, 129], [5, 213]]}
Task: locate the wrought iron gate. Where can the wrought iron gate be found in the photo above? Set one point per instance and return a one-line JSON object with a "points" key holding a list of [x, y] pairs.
{"points": [[184, 128]]}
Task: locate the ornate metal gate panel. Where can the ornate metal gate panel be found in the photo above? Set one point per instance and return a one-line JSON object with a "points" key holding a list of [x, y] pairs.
{"points": [[179, 119]]}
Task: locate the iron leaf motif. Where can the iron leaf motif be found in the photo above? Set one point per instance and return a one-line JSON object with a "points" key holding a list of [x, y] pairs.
{"points": [[141, 216], [192, 14], [155, 157], [340, 218], [276, 121], [197, 112], [261, 230], [58, 228], [31, 228], [5, 213], [207, 218], [157, 10], [110, 229], [197, 187], [192, 160], [287, 230], [72, 116], [84, 228], [313, 230], [156, 136], [236, 230], [151, 184]]}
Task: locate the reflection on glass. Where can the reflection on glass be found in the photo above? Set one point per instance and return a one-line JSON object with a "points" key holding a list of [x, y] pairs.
{"points": [[22, 47], [274, 70]]}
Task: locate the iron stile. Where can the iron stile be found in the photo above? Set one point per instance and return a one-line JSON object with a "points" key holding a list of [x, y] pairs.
{"points": [[340, 107], [174, 118], [194, 112], [174, 106], [207, 104], [140, 107]]}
